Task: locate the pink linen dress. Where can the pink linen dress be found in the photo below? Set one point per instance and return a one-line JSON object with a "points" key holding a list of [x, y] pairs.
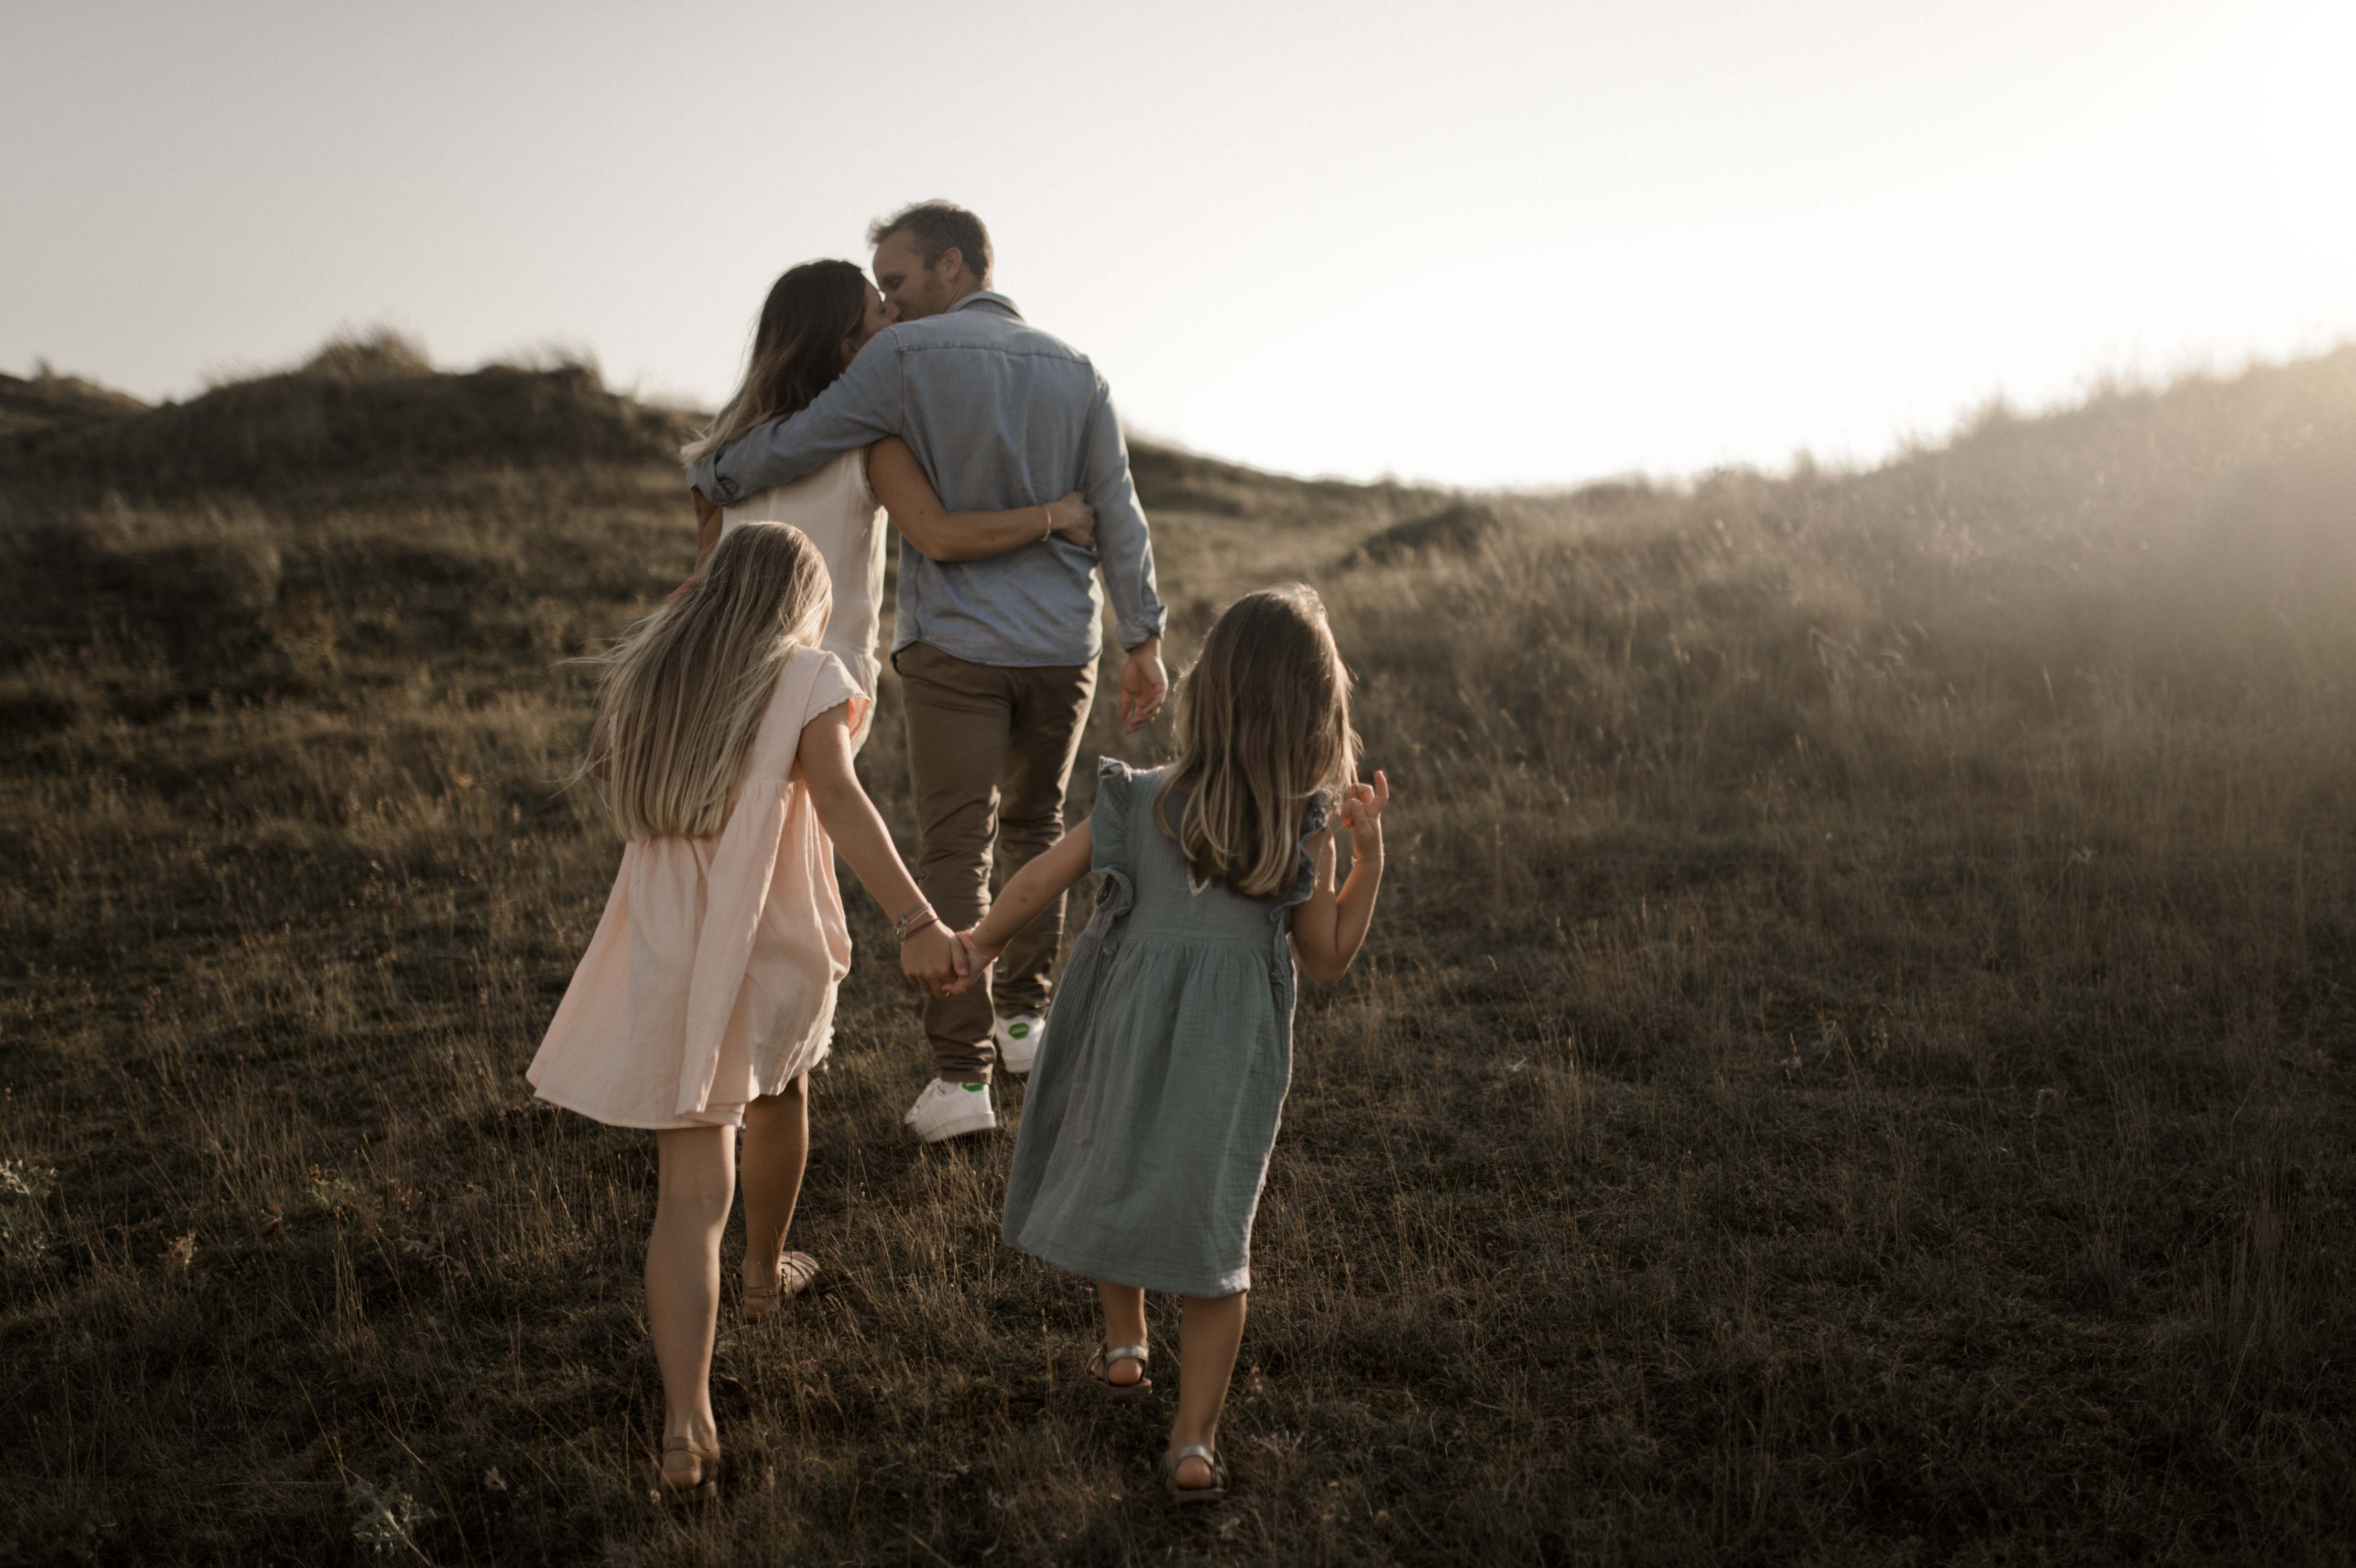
{"points": [[710, 981]]}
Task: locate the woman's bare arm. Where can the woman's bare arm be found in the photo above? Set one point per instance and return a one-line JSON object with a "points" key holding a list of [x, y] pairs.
{"points": [[707, 539], [708, 522], [940, 535], [932, 956]]}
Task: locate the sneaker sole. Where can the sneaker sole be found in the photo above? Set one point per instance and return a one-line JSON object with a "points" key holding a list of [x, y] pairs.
{"points": [[958, 1129]]}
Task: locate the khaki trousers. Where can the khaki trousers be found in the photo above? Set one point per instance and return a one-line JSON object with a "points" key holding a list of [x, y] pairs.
{"points": [[989, 755]]}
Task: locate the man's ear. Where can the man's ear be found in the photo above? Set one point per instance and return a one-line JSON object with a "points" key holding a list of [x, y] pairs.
{"points": [[950, 257]]}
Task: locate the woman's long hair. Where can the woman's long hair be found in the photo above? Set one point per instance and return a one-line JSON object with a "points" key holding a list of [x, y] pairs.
{"points": [[796, 350], [681, 695], [1263, 730]]}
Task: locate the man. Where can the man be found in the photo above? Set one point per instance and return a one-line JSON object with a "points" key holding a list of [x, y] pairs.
{"points": [[997, 657]]}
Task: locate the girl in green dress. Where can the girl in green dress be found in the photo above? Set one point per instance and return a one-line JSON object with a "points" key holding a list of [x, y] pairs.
{"points": [[1155, 1103]]}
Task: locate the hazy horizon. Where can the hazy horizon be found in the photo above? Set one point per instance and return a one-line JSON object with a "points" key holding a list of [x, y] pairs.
{"points": [[1511, 246]]}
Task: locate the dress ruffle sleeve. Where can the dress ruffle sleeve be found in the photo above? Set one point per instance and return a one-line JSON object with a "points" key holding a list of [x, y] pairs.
{"points": [[833, 686], [1110, 824], [1304, 884]]}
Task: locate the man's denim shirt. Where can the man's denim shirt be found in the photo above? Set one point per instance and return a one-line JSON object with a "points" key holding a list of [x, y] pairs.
{"points": [[1001, 416]]}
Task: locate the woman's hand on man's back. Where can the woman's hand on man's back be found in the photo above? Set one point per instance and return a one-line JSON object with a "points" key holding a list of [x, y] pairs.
{"points": [[1074, 519]]}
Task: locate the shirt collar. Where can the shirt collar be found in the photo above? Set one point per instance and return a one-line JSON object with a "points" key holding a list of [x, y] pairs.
{"points": [[988, 299]]}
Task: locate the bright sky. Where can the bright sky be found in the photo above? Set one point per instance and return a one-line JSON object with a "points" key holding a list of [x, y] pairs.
{"points": [[1478, 242]]}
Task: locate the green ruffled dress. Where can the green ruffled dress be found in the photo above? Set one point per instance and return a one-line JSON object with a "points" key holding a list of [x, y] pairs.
{"points": [[1155, 1100]]}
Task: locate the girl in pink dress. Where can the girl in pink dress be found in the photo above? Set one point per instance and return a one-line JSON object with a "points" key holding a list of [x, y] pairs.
{"points": [[723, 743]]}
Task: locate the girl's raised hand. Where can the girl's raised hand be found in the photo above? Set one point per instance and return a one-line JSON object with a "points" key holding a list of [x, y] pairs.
{"points": [[1361, 813]]}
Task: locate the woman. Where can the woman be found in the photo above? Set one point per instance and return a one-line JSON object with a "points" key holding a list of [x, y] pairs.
{"points": [[817, 319]]}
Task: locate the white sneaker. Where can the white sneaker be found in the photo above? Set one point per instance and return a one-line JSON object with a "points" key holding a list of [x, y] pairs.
{"points": [[946, 1110], [1018, 1039]]}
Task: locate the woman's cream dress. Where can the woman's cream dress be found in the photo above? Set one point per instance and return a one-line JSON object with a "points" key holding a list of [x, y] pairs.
{"points": [[710, 981], [837, 509]]}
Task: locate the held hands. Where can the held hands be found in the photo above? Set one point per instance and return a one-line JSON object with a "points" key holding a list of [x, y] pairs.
{"points": [[1361, 813], [933, 959], [1143, 686], [976, 961], [1074, 519]]}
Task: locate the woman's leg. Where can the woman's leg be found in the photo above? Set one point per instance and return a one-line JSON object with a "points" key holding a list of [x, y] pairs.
{"points": [[1210, 1332], [1124, 1315], [776, 1145], [698, 1178]]}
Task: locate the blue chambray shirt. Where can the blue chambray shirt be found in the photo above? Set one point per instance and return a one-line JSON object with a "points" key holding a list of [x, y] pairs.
{"points": [[1000, 415]]}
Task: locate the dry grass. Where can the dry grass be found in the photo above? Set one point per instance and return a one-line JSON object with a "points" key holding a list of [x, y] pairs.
{"points": [[1853, 1066]]}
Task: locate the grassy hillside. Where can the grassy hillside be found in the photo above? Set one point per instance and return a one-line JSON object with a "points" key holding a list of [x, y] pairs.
{"points": [[1853, 1065]]}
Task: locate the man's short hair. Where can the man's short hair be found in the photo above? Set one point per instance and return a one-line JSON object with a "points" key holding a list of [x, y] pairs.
{"points": [[935, 225]]}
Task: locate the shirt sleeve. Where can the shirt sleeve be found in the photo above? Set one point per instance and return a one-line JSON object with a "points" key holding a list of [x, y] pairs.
{"points": [[1124, 546], [864, 405]]}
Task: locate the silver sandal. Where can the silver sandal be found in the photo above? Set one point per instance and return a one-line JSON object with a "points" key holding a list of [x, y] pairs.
{"points": [[1100, 1368], [1184, 1496]]}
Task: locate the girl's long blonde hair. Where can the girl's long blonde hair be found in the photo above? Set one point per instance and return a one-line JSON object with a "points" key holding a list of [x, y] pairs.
{"points": [[1263, 730], [682, 694]]}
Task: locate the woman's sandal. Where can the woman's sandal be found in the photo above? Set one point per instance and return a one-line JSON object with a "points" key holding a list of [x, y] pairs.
{"points": [[795, 1272], [1184, 1496], [1100, 1368], [701, 1484]]}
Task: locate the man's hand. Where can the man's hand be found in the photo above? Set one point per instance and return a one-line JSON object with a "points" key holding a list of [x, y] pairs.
{"points": [[1143, 686]]}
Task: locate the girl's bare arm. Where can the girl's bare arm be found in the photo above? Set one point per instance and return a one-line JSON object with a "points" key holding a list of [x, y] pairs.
{"points": [[933, 956], [1033, 889], [1327, 931], [941, 535]]}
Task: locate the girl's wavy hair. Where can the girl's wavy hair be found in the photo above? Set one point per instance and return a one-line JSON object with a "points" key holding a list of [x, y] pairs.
{"points": [[1263, 731], [796, 350], [680, 695]]}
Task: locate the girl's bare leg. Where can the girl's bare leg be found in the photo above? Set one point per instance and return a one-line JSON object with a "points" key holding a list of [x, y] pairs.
{"points": [[1210, 1332], [698, 1178], [776, 1146], [1124, 1315]]}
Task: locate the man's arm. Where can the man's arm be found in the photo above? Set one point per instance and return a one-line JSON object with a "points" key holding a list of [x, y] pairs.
{"points": [[1125, 555], [863, 406], [1124, 548]]}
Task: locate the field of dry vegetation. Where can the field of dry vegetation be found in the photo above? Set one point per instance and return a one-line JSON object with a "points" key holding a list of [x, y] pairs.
{"points": [[1854, 1063]]}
